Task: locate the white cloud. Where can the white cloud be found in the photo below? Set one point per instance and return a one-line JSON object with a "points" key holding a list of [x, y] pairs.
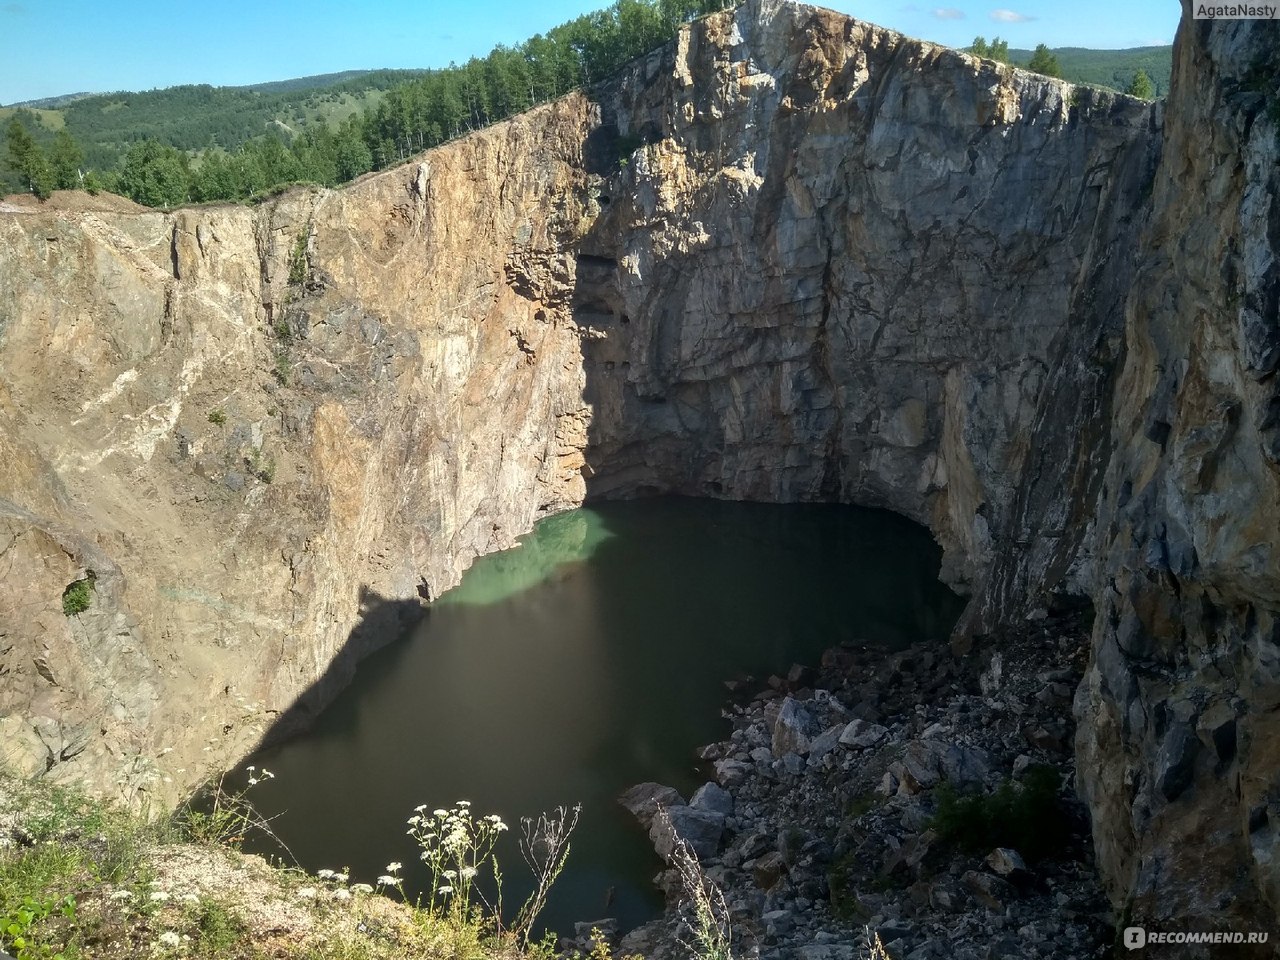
{"points": [[1010, 16], [946, 13]]}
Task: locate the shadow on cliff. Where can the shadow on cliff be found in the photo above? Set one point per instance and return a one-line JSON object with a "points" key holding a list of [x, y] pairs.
{"points": [[382, 621]]}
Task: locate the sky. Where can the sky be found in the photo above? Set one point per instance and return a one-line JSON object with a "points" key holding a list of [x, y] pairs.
{"points": [[52, 47]]}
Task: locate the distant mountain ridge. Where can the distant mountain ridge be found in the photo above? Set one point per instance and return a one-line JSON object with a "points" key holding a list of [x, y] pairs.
{"points": [[1103, 68], [318, 81], [1110, 68], [381, 115]]}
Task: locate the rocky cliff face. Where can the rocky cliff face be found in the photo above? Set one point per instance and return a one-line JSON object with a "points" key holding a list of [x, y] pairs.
{"points": [[791, 256], [1178, 735]]}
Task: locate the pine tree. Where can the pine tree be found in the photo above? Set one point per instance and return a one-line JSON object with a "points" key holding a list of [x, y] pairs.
{"points": [[65, 157], [1042, 61], [28, 160], [1141, 86]]}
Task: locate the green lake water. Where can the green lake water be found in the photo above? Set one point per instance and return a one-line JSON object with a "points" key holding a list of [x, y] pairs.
{"points": [[590, 658]]}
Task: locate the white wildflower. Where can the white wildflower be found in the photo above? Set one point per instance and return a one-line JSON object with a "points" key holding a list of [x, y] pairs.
{"points": [[445, 889], [394, 866], [170, 939], [468, 873], [362, 888], [307, 893], [341, 894], [324, 874], [122, 895], [341, 877], [386, 881], [190, 898], [159, 896]]}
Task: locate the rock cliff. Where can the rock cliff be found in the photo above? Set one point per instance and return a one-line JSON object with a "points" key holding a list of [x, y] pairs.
{"points": [[790, 256], [1178, 734]]}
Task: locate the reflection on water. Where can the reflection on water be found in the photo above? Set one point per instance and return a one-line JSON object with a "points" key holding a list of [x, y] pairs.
{"points": [[590, 658], [564, 539]]}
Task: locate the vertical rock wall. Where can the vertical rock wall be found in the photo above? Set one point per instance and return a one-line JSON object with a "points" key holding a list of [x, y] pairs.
{"points": [[1178, 726]]}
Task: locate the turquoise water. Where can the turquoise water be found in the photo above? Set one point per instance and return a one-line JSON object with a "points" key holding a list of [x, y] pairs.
{"points": [[590, 658]]}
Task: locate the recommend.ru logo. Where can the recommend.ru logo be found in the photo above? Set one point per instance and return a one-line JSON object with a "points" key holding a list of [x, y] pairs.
{"points": [[1135, 938]]}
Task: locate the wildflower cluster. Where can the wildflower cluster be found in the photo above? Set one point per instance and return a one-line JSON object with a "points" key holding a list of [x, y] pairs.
{"points": [[456, 847]]}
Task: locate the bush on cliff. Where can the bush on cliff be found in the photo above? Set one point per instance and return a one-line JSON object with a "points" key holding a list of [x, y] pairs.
{"points": [[1026, 816]]}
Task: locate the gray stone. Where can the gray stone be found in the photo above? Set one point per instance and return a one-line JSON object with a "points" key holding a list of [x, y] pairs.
{"points": [[700, 829], [731, 773], [23, 753], [827, 951], [793, 729], [712, 798], [1175, 760], [862, 734], [825, 742], [1006, 862], [768, 870], [644, 799]]}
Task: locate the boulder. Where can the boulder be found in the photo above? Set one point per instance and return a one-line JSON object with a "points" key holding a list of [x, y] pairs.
{"points": [[644, 799], [794, 728], [863, 734], [825, 742], [712, 798], [700, 829], [1006, 862]]}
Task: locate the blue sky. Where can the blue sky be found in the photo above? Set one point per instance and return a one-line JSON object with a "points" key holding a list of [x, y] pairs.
{"points": [[64, 46]]}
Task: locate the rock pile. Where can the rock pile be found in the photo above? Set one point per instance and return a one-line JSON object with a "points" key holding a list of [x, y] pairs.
{"points": [[918, 795]]}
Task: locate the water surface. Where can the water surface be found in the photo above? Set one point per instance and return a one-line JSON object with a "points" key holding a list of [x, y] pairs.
{"points": [[590, 658]]}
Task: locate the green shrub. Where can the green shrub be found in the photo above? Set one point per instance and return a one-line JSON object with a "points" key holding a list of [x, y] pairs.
{"points": [[218, 816], [284, 367], [298, 261], [217, 928], [217, 417], [1027, 817], [18, 923], [78, 596]]}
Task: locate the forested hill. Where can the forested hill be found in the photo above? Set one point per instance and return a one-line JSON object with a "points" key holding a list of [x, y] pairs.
{"points": [[199, 143], [197, 117], [1110, 68]]}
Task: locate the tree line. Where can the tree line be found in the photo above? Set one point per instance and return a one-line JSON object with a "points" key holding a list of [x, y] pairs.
{"points": [[1045, 61], [423, 111], [414, 115]]}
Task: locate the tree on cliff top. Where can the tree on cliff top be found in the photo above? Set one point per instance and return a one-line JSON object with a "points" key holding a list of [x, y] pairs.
{"points": [[155, 174], [1042, 61], [26, 158], [1141, 86], [65, 158], [997, 49]]}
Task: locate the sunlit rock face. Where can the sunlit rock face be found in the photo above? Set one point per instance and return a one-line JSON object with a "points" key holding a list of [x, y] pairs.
{"points": [[790, 256]]}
